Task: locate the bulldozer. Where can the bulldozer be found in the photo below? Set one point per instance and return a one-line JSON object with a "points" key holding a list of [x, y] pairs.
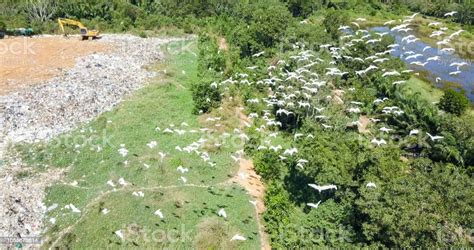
{"points": [[85, 33]]}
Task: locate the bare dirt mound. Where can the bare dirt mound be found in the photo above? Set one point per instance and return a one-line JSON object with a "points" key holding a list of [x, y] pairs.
{"points": [[27, 61]]}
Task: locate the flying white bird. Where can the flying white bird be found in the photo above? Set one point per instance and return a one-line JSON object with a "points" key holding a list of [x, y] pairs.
{"points": [[162, 156], [183, 179], [152, 144], [386, 130], [123, 151], [119, 234], [370, 185], [313, 205], [434, 58], [378, 142], [426, 48], [398, 82], [455, 73], [290, 151], [122, 182], [111, 183], [322, 188], [182, 170], [139, 194], [222, 213], [414, 132], [258, 54], [73, 208], [238, 237], [159, 214], [434, 138], [452, 13], [434, 24]]}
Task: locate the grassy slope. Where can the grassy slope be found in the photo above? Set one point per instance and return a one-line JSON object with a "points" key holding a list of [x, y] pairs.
{"points": [[426, 89], [133, 123]]}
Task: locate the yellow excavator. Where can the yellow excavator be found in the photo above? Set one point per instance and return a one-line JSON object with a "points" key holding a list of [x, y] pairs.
{"points": [[85, 33]]}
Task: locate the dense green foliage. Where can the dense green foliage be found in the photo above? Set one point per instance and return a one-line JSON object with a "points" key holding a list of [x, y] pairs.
{"points": [[454, 102], [122, 15], [3, 26]]}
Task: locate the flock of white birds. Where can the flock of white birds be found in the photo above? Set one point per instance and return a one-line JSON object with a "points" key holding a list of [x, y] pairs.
{"points": [[300, 90]]}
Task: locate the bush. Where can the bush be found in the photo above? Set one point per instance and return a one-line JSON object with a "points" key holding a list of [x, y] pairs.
{"points": [[269, 25], [267, 164], [3, 26], [211, 60], [333, 20], [454, 102], [205, 97]]}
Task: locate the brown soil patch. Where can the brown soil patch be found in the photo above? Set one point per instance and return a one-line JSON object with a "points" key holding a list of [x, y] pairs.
{"points": [[337, 96], [223, 44], [29, 61], [252, 182], [364, 121]]}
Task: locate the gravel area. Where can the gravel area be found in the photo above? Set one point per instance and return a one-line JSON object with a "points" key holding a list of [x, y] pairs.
{"points": [[95, 84]]}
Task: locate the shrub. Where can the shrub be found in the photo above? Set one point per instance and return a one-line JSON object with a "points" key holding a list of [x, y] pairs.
{"points": [[211, 60], [267, 164], [3, 26], [205, 96], [454, 102], [269, 24], [333, 20]]}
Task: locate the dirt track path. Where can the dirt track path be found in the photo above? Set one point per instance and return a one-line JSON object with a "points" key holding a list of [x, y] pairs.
{"points": [[252, 182]]}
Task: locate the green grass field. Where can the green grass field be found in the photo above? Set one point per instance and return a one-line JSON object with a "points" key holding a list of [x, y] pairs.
{"points": [[189, 208], [427, 90]]}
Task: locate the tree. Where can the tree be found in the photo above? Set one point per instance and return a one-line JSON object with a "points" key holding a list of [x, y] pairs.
{"points": [[333, 20], [454, 102], [41, 10], [3, 26]]}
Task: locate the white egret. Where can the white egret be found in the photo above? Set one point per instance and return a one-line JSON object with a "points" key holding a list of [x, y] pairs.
{"points": [[313, 205], [370, 185], [435, 137], [159, 214], [238, 237], [322, 188], [222, 213], [119, 234]]}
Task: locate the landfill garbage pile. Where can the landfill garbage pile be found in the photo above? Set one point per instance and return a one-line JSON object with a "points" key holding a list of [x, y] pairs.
{"points": [[21, 207], [95, 84]]}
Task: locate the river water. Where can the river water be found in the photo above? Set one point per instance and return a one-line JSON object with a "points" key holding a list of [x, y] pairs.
{"points": [[434, 69]]}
